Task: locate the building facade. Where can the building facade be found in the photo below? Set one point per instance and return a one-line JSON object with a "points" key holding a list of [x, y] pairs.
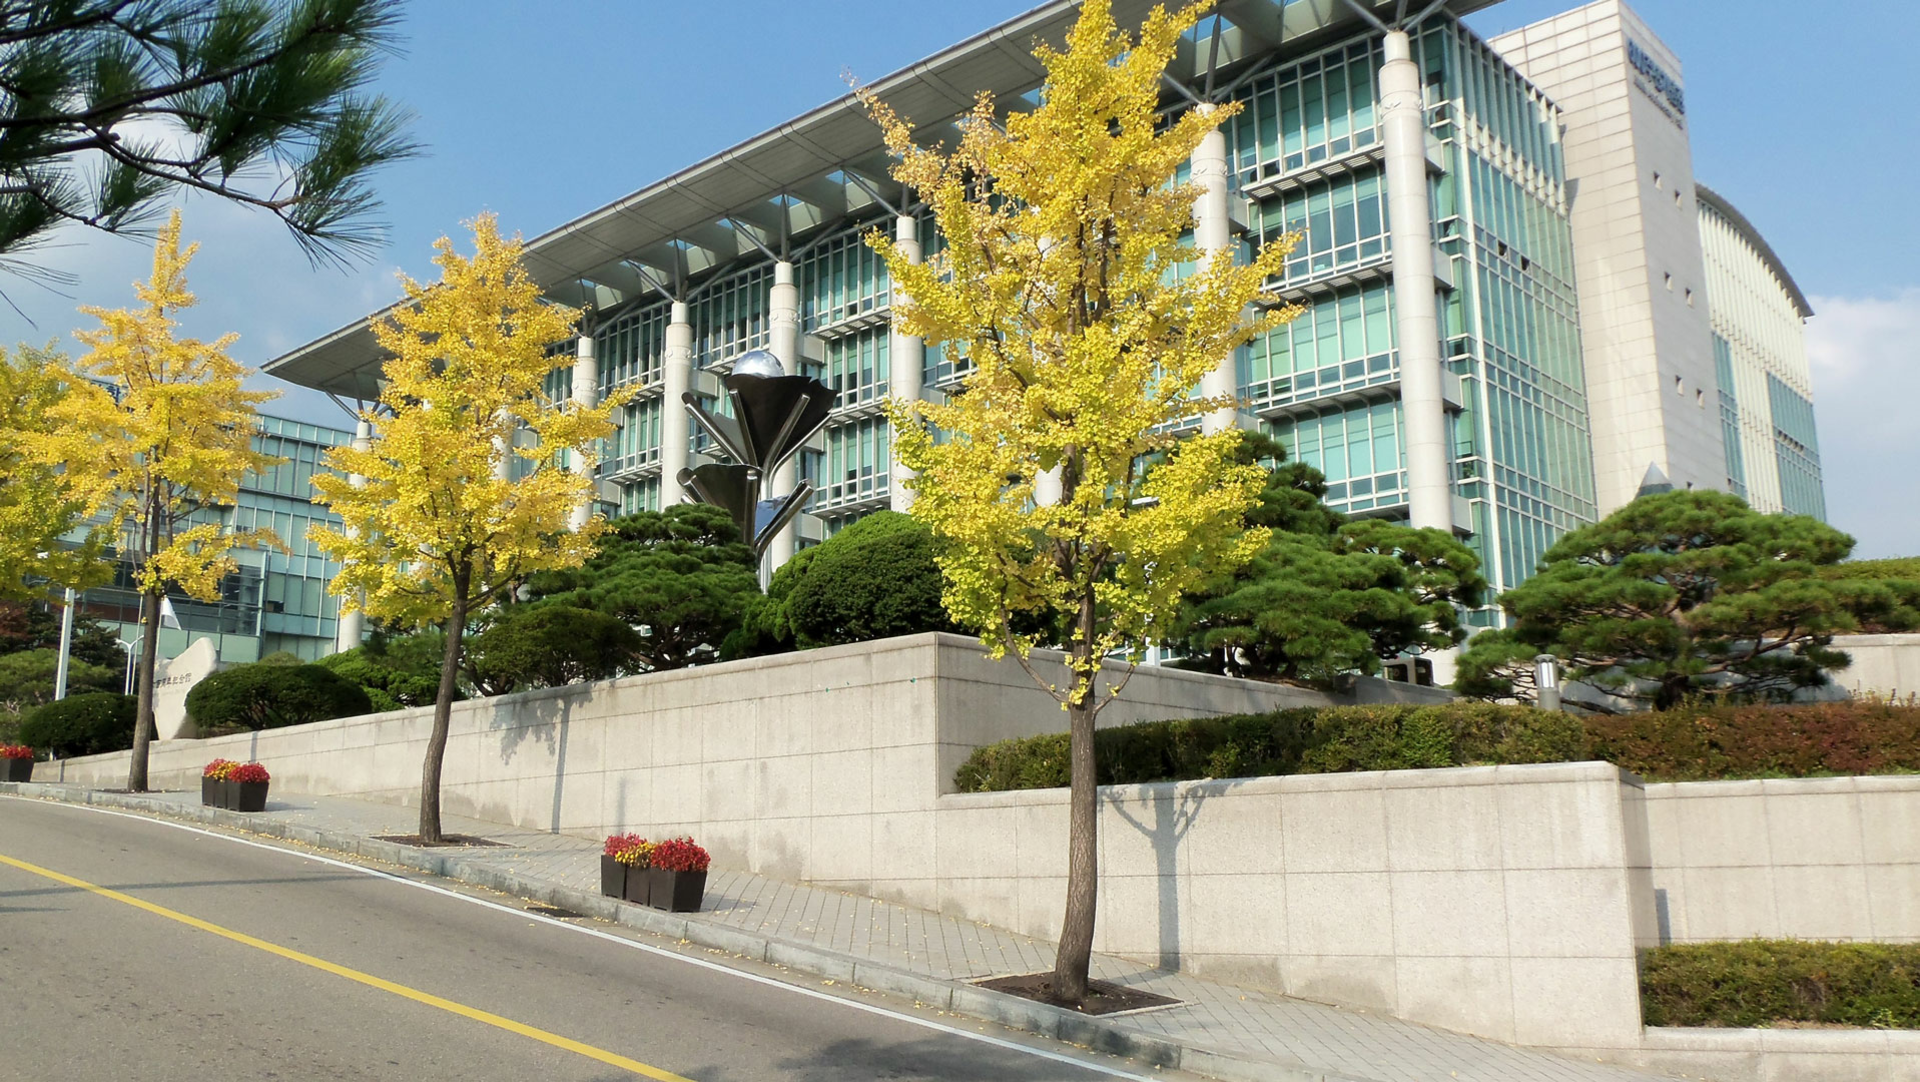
{"points": [[1454, 362], [1759, 319], [1690, 325], [274, 601]]}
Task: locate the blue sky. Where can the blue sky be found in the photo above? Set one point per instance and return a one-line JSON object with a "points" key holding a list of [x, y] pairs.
{"points": [[542, 112]]}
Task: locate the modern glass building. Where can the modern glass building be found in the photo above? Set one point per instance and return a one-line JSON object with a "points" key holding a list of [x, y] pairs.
{"points": [[275, 601], [1440, 369]]}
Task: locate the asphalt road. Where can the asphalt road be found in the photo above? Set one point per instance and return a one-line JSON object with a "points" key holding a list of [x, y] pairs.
{"points": [[220, 959]]}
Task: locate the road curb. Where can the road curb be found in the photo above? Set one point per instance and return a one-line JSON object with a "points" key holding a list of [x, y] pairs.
{"points": [[954, 996]]}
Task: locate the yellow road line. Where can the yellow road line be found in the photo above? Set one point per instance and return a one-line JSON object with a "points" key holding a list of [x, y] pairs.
{"points": [[602, 1055]]}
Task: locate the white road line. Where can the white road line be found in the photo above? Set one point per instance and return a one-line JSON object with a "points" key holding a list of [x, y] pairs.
{"points": [[1013, 1046]]}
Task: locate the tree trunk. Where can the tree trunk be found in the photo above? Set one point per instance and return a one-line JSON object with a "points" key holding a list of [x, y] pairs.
{"points": [[1075, 955], [143, 688], [442, 717]]}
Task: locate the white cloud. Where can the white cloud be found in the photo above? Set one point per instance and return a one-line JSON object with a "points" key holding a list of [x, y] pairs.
{"points": [[1865, 354]]}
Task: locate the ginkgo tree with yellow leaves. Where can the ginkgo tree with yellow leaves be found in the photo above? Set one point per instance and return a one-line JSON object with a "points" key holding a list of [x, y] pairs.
{"points": [[42, 500], [1061, 286], [438, 518], [171, 440]]}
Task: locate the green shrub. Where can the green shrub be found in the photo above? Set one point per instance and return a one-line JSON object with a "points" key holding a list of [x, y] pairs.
{"points": [[873, 580], [396, 671], [90, 724], [1696, 743], [546, 645], [268, 696], [1758, 982], [1691, 743], [1309, 740]]}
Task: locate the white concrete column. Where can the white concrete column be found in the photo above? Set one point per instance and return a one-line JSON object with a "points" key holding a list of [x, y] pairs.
{"points": [[1403, 122], [906, 358], [676, 361], [350, 627], [783, 341], [1213, 237], [586, 395]]}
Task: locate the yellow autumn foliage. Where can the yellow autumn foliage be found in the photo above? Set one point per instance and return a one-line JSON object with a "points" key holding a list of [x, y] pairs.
{"points": [[46, 491], [465, 492], [172, 439], [1088, 323]]}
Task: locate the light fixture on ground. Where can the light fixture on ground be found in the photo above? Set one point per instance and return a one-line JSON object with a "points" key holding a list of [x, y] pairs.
{"points": [[773, 415], [1546, 680]]}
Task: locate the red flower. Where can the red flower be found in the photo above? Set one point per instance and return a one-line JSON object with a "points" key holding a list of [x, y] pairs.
{"points": [[680, 855], [219, 769], [15, 751], [248, 772], [628, 849]]}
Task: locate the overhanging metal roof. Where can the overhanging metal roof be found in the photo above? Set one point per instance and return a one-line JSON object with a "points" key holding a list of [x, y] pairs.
{"points": [[1746, 229], [815, 170]]}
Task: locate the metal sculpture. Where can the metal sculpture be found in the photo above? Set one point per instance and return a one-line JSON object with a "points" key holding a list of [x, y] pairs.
{"points": [[773, 415]]}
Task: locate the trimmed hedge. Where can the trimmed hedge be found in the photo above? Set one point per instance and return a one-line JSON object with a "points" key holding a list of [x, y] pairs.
{"points": [[1695, 743], [1309, 740], [1759, 982], [1798, 741], [268, 696], [90, 724]]}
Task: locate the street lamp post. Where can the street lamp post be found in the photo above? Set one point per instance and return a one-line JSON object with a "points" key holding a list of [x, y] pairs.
{"points": [[66, 649]]}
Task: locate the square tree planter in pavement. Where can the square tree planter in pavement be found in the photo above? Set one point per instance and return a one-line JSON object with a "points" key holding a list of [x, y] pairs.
{"points": [[16, 769]]}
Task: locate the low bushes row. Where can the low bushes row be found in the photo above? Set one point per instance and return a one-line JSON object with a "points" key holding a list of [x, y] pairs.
{"points": [[1699, 743], [1310, 740], [1762, 982], [1689, 744]]}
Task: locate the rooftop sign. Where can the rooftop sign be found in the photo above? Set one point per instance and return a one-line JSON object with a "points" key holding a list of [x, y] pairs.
{"points": [[1664, 89]]}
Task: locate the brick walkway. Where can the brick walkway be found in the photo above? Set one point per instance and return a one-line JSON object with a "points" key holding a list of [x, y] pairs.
{"points": [[1239, 1022]]}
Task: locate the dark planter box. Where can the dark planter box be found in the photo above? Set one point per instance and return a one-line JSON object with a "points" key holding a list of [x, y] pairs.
{"points": [[639, 885], [613, 877], [209, 792], [249, 796], [676, 892], [18, 770], [224, 794]]}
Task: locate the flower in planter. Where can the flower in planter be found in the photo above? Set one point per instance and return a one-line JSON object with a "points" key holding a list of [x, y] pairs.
{"points": [[629, 849], [15, 751], [220, 770], [680, 855], [249, 772]]}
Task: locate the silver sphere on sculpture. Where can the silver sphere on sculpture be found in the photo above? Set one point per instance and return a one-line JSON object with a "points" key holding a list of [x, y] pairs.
{"points": [[757, 362]]}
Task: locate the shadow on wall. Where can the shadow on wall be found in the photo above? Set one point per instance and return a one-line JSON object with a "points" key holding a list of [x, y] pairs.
{"points": [[547, 719], [1174, 813]]}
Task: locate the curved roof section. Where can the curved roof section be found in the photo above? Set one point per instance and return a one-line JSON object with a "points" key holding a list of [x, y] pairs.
{"points": [[828, 166], [1746, 229]]}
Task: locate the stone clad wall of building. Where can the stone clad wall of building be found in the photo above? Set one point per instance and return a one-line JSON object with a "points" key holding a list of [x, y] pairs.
{"points": [[1759, 326], [1642, 278]]}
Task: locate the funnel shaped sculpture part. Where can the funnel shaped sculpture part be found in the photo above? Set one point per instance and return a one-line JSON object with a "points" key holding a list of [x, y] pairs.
{"points": [[773, 415], [731, 487], [778, 413]]}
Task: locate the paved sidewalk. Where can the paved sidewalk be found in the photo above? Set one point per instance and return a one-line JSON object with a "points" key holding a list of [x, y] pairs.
{"points": [[1218, 1029]]}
